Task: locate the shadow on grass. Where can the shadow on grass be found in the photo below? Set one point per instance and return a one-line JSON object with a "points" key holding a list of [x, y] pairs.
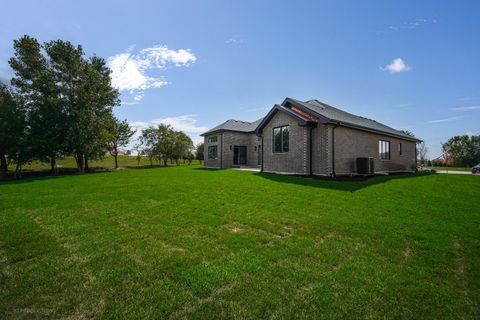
{"points": [[340, 183]]}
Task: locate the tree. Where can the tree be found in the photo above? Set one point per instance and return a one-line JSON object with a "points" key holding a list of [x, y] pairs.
{"points": [[463, 151], [149, 143], [68, 100], [182, 145], [35, 83], [163, 143], [422, 151], [121, 134], [12, 129], [408, 133], [199, 152], [189, 157]]}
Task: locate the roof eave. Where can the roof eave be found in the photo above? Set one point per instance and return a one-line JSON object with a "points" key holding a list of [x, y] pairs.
{"points": [[349, 125], [278, 108]]}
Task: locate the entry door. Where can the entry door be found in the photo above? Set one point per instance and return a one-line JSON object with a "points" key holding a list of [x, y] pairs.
{"points": [[239, 155]]}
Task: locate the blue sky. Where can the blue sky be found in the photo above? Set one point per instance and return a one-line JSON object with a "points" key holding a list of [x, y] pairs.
{"points": [[412, 65]]}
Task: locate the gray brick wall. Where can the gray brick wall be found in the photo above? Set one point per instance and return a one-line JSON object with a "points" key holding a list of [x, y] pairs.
{"points": [[212, 163], [320, 150], [349, 145], [296, 161], [352, 143], [225, 145]]}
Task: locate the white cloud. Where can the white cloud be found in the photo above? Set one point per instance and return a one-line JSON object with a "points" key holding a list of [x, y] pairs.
{"points": [[131, 72], [445, 120], [470, 133], [234, 40], [397, 65], [412, 24], [186, 123], [466, 108]]}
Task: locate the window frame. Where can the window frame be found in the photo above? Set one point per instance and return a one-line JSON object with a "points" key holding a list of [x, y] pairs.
{"points": [[384, 150], [283, 149], [209, 153], [212, 139], [400, 149]]}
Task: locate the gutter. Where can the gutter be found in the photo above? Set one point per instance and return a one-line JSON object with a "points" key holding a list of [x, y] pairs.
{"points": [[311, 149]]}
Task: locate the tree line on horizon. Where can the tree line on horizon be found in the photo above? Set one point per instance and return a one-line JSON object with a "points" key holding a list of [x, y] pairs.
{"points": [[60, 103]]}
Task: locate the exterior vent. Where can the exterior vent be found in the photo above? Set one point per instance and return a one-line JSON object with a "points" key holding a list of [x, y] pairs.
{"points": [[365, 166]]}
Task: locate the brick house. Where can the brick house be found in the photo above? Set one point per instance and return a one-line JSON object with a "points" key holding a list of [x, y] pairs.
{"points": [[310, 138]]}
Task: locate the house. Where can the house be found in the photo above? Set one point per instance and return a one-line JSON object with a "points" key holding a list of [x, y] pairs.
{"points": [[310, 138]]}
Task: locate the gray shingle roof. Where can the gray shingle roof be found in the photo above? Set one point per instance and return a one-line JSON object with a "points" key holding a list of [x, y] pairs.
{"points": [[235, 125], [336, 115]]}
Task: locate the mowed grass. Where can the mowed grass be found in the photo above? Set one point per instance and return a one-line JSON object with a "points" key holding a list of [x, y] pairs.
{"points": [[186, 242]]}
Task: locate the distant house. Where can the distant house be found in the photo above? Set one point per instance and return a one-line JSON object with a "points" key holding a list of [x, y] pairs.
{"points": [[310, 138]]}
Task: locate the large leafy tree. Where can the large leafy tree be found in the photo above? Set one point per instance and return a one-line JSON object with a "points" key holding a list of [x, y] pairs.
{"points": [[182, 146], [88, 98], [121, 134], [68, 99], [149, 143], [12, 129], [163, 143], [35, 83], [199, 151], [463, 150]]}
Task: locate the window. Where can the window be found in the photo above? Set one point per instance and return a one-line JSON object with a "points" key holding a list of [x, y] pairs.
{"points": [[400, 149], [212, 152], [212, 139], [280, 139], [384, 149]]}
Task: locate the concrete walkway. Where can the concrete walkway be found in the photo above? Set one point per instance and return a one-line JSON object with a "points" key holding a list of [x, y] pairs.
{"points": [[454, 172], [247, 169]]}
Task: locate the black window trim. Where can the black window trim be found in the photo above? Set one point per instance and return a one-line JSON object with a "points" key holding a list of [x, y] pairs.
{"points": [[281, 139], [216, 152]]}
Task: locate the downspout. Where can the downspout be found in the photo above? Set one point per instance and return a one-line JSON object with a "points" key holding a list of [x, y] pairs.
{"points": [[311, 149], [416, 156], [221, 151], [261, 170], [333, 149]]}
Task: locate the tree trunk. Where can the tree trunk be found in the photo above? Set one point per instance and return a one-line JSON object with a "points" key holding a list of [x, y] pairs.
{"points": [[165, 162], [3, 166], [80, 163], [53, 165], [116, 160], [17, 169], [86, 164]]}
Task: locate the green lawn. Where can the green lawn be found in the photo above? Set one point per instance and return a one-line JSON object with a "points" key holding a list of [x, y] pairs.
{"points": [[186, 242]]}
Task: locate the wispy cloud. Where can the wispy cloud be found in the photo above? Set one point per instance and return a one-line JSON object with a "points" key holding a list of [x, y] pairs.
{"points": [[132, 72], [397, 65], [466, 99], [187, 123], [445, 120], [466, 108], [412, 24], [235, 40]]}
